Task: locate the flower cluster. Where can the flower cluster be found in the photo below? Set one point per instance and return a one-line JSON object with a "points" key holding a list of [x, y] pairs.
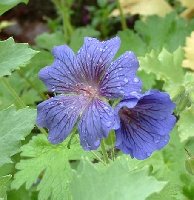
{"points": [[85, 82]]}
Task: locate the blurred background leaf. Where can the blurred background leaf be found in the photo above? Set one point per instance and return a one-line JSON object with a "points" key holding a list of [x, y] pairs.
{"points": [[8, 4]]}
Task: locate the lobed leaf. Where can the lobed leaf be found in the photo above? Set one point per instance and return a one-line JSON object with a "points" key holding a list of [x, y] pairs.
{"points": [[3, 186], [13, 56], [15, 126], [48, 167], [116, 181], [186, 124]]}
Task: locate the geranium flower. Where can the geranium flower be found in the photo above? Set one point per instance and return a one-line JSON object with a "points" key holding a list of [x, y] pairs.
{"points": [[83, 83], [145, 123]]}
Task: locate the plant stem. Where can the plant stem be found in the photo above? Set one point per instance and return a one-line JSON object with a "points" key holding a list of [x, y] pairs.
{"points": [[71, 137], [63, 9], [98, 157], [104, 152], [30, 83], [66, 18], [112, 150], [17, 97], [123, 21], [13, 92]]}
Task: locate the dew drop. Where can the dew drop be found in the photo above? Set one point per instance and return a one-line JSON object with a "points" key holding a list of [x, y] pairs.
{"points": [[134, 93], [148, 154], [126, 80], [109, 123], [136, 80], [157, 141], [53, 88]]}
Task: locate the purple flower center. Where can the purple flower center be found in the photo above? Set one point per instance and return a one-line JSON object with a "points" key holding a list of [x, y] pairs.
{"points": [[125, 114], [87, 90], [129, 116]]}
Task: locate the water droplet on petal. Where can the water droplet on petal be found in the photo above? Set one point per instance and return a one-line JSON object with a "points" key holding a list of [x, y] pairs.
{"points": [[126, 80], [109, 123], [157, 141], [53, 88], [136, 80], [148, 154]]}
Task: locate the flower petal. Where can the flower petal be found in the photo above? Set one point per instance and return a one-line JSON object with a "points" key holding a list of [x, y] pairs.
{"points": [[145, 127], [61, 76], [96, 122], [59, 114], [120, 78], [95, 56]]}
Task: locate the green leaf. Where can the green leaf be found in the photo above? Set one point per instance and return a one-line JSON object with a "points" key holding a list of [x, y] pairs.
{"points": [[164, 32], [164, 65], [169, 192], [78, 35], [149, 80], [186, 124], [51, 163], [3, 186], [167, 165], [164, 164], [22, 194], [26, 82], [172, 167], [13, 56], [189, 85], [8, 4], [15, 125], [131, 42], [92, 182], [49, 40]]}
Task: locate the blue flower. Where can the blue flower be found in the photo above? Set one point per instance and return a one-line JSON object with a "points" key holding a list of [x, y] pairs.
{"points": [[145, 123], [83, 83]]}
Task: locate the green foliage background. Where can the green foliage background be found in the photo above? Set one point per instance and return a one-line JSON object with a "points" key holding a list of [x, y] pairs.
{"points": [[31, 168]]}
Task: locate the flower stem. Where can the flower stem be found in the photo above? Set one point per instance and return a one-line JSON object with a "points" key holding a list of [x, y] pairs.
{"points": [[112, 150], [13, 92], [123, 21], [30, 83], [63, 8], [104, 152], [71, 137], [98, 157]]}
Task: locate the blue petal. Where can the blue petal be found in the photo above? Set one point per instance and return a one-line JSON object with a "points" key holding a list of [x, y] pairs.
{"points": [[145, 127], [95, 56], [120, 78], [62, 75], [96, 122], [59, 114]]}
